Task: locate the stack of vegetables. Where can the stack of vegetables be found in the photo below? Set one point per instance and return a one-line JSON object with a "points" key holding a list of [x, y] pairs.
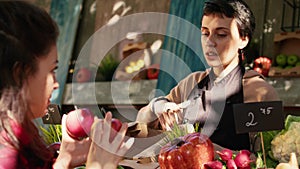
{"points": [[280, 144], [282, 150]]}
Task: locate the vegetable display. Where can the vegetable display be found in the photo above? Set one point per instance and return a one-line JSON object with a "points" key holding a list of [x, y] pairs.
{"points": [[191, 151], [287, 141], [279, 144], [292, 164], [228, 159]]}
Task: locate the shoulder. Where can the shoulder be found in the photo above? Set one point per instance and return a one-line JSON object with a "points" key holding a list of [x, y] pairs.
{"points": [[196, 76], [256, 88], [254, 78], [182, 90], [8, 157]]}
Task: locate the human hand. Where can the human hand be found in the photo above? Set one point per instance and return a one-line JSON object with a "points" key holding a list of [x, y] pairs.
{"points": [[103, 153], [172, 113], [72, 152]]}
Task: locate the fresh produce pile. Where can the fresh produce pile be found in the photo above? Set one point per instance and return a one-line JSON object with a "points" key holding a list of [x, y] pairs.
{"points": [[287, 61], [230, 160], [191, 151], [196, 151], [292, 164], [282, 148], [280, 144], [287, 141]]}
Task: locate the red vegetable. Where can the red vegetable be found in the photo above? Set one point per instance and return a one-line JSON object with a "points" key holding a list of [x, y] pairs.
{"points": [[230, 164], [242, 159], [247, 152], [55, 146], [189, 152], [153, 71], [79, 123], [83, 75], [225, 154], [116, 125], [214, 165], [262, 65]]}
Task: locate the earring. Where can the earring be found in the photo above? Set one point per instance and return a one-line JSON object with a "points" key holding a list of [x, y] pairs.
{"points": [[241, 54]]}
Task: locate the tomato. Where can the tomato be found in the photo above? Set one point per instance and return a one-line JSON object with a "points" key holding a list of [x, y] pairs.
{"points": [[83, 75], [153, 71], [262, 65], [189, 152]]}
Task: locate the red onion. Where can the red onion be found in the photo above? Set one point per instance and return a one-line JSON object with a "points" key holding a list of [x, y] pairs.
{"points": [[225, 154], [242, 159], [230, 164], [79, 123], [213, 165]]}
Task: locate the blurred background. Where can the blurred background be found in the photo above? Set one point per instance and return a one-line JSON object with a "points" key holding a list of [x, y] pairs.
{"points": [[136, 68]]}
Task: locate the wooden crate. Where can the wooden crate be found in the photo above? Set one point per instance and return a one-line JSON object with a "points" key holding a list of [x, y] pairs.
{"points": [[287, 43]]}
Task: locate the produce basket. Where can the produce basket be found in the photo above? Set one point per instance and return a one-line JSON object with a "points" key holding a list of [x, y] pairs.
{"points": [[286, 47]]}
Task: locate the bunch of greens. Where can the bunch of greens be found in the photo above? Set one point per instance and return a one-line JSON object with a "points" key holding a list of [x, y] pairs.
{"points": [[51, 133], [107, 68]]}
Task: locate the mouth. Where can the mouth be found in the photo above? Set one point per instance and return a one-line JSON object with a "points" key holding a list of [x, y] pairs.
{"points": [[211, 55]]}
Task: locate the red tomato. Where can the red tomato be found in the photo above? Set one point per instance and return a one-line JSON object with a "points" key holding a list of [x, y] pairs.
{"points": [[83, 75], [190, 152], [262, 65], [153, 71]]}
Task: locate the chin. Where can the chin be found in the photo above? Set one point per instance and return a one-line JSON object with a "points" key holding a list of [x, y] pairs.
{"points": [[214, 63]]}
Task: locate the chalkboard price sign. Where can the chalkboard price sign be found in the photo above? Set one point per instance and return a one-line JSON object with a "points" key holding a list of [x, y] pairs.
{"points": [[258, 116], [53, 115]]}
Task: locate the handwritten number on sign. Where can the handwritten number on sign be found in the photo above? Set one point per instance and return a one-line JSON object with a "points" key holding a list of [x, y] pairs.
{"points": [[266, 110], [251, 123]]}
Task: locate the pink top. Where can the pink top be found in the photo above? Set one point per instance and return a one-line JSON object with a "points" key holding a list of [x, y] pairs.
{"points": [[11, 158]]}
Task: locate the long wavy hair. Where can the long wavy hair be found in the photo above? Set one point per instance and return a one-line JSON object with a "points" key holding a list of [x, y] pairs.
{"points": [[26, 33]]}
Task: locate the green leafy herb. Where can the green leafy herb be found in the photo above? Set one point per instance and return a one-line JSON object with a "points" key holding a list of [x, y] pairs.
{"points": [[52, 133]]}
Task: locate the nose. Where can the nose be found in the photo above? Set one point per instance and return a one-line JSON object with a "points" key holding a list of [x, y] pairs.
{"points": [[56, 84], [210, 41]]}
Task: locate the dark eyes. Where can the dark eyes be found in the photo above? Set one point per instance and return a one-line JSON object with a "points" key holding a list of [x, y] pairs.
{"points": [[205, 33], [54, 70], [220, 35]]}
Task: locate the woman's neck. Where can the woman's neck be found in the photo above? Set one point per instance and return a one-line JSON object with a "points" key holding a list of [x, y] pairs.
{"points": [[221, 71]]}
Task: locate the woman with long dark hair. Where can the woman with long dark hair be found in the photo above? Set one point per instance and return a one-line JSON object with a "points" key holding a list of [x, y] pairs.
{"points": [[28, 60]]}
